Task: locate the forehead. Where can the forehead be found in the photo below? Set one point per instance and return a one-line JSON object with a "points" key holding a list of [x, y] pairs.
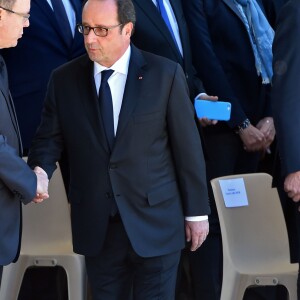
{"points": [[100, 12], [22, 5]]}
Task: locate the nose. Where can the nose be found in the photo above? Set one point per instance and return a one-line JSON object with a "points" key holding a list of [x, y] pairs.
{"points": [[90, 37], [26, 23]]}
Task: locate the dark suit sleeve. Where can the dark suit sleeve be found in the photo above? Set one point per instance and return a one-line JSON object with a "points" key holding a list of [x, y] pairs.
{"points": [[47, 145], [286, 87], [206, 61], [187, 149], [15, 173]]}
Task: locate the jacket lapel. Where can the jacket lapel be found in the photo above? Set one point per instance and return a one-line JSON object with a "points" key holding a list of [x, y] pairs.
{"points": [[132, 89], [8, 99], [233, 7], [77, 5], [150, 10], [176, 6], [88, 96], [15, 122], [49, 14]]}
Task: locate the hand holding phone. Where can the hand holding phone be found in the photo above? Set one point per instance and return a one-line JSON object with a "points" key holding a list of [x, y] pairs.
{"points": [[213, 110]]}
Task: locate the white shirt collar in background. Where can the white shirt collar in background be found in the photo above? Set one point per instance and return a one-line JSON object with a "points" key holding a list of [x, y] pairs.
{"points": [[173, 22], [70, 13]]}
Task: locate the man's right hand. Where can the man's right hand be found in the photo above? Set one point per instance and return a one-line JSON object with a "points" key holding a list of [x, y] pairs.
{"points": [[42, 185]]}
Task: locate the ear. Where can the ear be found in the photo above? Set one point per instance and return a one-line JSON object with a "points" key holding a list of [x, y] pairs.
{"points": [[128, 29]]}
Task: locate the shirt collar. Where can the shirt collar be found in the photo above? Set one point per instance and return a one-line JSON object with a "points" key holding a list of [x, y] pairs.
{"points": [[120, 66]]}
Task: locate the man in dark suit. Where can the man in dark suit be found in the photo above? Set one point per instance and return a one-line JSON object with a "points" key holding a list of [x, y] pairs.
{"points": [[137, 171], [18, 183], [44, 47], [224, 59], [286, 107], [152, 34]]}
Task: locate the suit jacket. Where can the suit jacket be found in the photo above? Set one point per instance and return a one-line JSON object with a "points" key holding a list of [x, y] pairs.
{"points": [[285, 95], [151, 34], [224, 59], [153, 175], [41, 49], [271, 9], [286, 106], [17, 181]]}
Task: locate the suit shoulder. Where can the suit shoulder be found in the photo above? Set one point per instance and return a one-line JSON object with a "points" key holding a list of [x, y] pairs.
{"points": [[73, 65], [158, 61], [290, 12]]}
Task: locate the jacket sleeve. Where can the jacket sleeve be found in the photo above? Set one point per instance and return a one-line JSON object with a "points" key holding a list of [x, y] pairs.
{"points": [[207, 62], [187, 149], [15, 174], [286, 87]]}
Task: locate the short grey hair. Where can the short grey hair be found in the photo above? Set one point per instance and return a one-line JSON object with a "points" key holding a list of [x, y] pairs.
{"points": [[126, 11], [9, 4]]}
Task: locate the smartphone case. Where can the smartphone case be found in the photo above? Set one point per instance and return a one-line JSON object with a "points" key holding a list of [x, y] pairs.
{"points": [[213, 110]]}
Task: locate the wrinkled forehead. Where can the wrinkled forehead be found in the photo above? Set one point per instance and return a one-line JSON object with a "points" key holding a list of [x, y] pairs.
{"points": [[100, 12]]}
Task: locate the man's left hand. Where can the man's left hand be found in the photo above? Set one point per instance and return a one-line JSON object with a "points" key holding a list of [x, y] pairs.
{"points": [[292, 186], [266, 126], [196, 232]]}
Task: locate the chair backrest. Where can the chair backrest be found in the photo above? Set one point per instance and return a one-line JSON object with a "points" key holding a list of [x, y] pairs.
{"points": [[47, 225], [255, 233]]}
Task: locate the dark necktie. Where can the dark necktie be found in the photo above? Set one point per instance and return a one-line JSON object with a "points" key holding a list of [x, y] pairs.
{"points": [[106, 107], [62, 20], [163, 12]]}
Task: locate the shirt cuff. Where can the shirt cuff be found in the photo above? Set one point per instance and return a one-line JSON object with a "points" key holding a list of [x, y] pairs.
{"points": [[198, 97], [196, 218]]}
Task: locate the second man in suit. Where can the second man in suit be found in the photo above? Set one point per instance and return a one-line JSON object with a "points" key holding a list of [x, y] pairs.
{"points": [[286, 107], [18, 184], [153, 34]]}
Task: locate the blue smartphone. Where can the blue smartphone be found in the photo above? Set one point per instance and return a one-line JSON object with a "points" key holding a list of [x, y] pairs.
{"points": [[213, 110]]}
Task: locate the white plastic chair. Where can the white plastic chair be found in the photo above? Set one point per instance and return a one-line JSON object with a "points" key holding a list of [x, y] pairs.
{"points": [[255, 240], [47, 242]]}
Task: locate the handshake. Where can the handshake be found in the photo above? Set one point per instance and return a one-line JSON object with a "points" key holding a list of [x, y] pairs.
{"points": [[42, 185]]}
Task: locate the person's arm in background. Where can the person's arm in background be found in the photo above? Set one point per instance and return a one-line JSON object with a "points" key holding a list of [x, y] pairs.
{"points": [[207, 62], [212, 73], [286, 95]]}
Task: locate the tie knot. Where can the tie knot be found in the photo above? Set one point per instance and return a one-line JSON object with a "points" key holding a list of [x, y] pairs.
{"points": [[105, 75]]}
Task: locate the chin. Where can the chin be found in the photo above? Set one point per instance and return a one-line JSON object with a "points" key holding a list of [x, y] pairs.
{"points": [[12, 44]]}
